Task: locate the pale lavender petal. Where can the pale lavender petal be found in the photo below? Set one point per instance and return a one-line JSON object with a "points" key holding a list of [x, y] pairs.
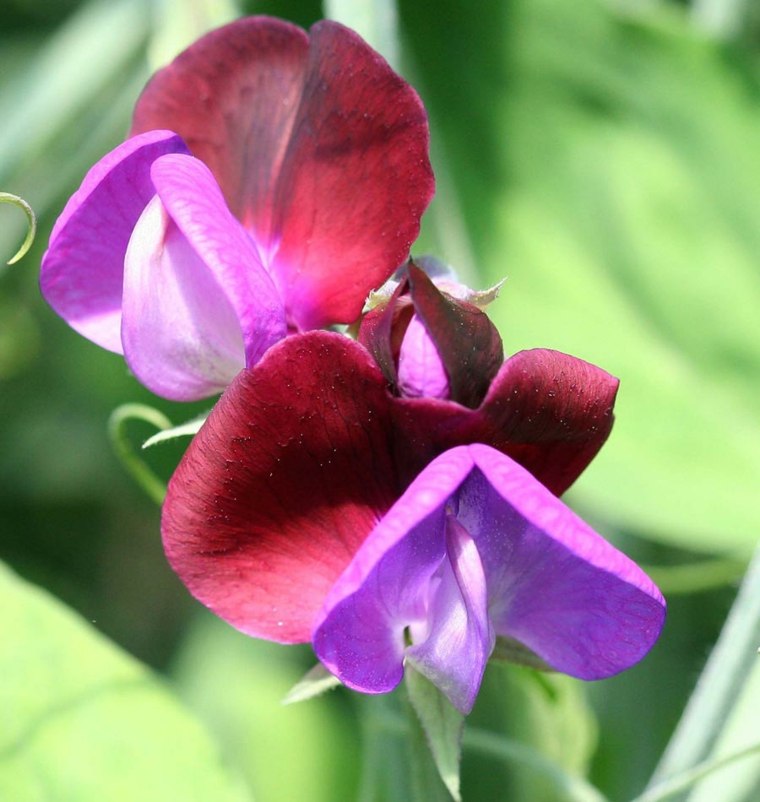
{"points": [[385, 589], [555, 584], [454, 654], [193, 199], [420, 370], [82, 270], [181, 335]]}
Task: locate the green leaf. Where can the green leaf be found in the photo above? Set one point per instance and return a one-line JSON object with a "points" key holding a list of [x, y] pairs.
{"points": [[542, 716], [569, 787], [443, 725], [624, 215], [178, 24], [84, 722], [236, 685]]}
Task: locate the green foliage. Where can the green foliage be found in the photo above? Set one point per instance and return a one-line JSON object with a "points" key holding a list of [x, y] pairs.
{"points": [[605, 161], [605, 165], [83, 721], [237, 686]]}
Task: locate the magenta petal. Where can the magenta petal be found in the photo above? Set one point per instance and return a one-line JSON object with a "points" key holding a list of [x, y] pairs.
{"points": [[233, 96], [281, 485], [194, 201], [182, 338], [555, 584], [354, 183], [385, 590], [82, 270], [321, 151]]}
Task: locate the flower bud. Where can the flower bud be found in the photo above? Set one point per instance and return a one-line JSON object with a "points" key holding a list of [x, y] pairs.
{"points": [[431, 340]]}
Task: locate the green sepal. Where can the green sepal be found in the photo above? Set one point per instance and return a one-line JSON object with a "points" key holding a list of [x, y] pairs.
{"points": [[187, 429], [314, 682], [512, 651], [443, 725]]}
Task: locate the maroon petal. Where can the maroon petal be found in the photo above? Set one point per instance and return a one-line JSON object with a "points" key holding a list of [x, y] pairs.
{"points": [[548, 411], [279, 488], [468, 343], [354, 183], [233, 96], [321, 151]]}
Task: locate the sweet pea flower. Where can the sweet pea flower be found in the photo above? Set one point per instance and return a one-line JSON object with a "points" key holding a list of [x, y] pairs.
{"points": [[477, 548], [313, 496], [271, 180]]}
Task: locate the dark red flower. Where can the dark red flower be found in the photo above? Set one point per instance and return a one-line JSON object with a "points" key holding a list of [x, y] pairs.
{"points": [[306, 452]]}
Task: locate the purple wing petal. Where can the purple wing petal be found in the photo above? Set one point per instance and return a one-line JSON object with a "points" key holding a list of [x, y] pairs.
{"points": [[83, 268], [194, 201], [182, 338], [555, 584], [420, 370]]}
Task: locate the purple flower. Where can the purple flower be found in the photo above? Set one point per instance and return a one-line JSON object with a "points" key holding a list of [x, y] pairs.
{"points": [[272, 179], [477, 548]]}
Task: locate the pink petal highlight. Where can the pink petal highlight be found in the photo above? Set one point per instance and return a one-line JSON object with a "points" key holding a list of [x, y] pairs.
{"points": [[194, 201], [182, 338], [83, 268]]}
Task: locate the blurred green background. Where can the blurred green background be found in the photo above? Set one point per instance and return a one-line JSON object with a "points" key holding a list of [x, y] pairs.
{"points": [[604, 156]]}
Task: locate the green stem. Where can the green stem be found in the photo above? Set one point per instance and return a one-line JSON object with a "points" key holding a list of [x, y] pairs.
{"points": [[719, 685], [6, 197], [570, 787], [684, 780], [142, 474]]}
